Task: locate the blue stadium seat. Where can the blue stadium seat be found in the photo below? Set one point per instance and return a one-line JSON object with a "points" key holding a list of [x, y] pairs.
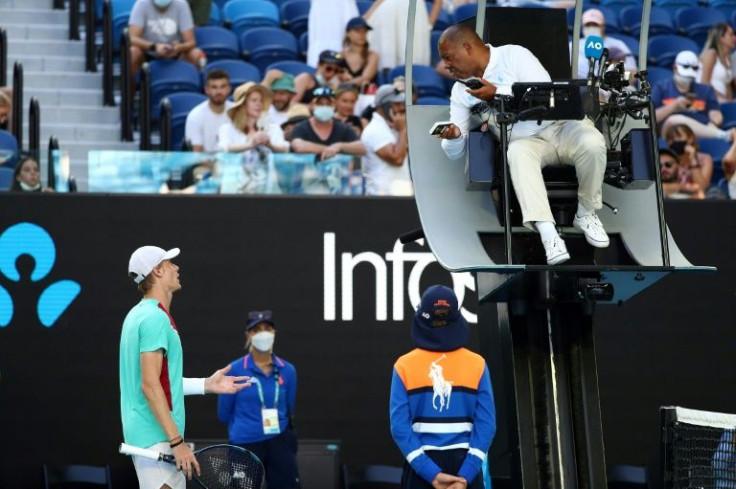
{"points": [[120, 10], [694, 22], [660, 21], [429, 83], [220, 3], [242, 15], [727, 7], [714, 147], [181, 104], [612, 18], [612, 22], [728, 109], [8, 148], [6, 178], [240, 72], [304, 45], [433, 40], [217, 43], [674, 5], [169, 77], [295, 16], [265, 45], [464, 11], [363, 6], [444, 20], [657, 74], [215, 14], [631, 43], [662, 50], [292, 67], [433, 101]]}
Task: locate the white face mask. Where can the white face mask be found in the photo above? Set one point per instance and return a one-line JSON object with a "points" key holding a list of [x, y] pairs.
{"points": [[162, 3], [592, 30], [683, 81], [263, 341], [323, 113], [29, 188]]}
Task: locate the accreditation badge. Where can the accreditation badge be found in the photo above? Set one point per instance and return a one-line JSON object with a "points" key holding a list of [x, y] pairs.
{"points": [[270, 421]]}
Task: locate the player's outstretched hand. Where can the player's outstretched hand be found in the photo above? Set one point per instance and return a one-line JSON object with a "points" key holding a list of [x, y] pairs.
{"points": [[486, 92], [220, 383]]}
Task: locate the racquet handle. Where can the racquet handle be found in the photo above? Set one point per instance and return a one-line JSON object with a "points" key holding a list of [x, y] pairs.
{"points": [[126, 449]]}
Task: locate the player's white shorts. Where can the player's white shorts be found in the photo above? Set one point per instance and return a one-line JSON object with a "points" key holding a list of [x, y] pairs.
{"points": [[153, 474]]}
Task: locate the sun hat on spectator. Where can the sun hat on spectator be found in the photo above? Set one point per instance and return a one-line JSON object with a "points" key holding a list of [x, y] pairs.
{"points": [[296, 114], [387, 94], [285, 83], [241, 95]]}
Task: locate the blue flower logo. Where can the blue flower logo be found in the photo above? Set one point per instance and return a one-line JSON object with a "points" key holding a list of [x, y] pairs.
{"points": [[30, 239]]}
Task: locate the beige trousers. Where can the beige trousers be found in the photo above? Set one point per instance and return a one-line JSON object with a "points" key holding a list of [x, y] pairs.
{"points": [[576, 143]]}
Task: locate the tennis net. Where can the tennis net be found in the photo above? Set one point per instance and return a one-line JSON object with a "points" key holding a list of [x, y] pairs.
{"points": [[698, 449]]}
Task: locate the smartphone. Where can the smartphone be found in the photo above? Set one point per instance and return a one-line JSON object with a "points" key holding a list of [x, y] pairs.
{"points": [[438, 127], [472, 83]]}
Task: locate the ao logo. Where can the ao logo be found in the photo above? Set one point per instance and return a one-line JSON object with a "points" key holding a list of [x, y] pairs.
{"points": [[597, 45], [30, 239]]}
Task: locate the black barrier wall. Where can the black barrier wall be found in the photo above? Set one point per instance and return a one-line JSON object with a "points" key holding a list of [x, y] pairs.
{"points": [[342, 291]]}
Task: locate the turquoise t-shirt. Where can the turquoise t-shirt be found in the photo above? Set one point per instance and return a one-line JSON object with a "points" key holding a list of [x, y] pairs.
{"points": [[148, 327]]}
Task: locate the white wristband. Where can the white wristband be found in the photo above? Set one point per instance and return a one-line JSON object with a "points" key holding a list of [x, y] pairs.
{"points": [[193, 387]]}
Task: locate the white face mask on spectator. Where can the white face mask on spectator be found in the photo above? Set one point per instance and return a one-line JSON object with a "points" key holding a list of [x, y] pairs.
{"points": [[162, 3], [592, 30], [323, 113], [29, 188], [683, 80]]}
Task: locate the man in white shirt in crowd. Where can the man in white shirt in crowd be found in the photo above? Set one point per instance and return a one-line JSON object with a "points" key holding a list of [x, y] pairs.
{"points": [[532, 146], [594, 24], [385, 166], [205, 119], [282, 91]]}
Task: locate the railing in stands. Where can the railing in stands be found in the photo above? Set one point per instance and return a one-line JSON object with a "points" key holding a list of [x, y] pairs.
{"points": [[53, 145], [34, 128], [17, 128], [89, 37], [74, 20], [165, 125], [144, 112], [3, 57], [126, 95], [107, 55]]}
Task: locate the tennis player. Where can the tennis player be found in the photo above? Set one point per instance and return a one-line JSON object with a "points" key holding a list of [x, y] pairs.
{"points": [[442, 414], [152, 387]]}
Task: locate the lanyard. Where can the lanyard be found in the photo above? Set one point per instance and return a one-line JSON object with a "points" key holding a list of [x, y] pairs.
{"points": [[276, 389]]}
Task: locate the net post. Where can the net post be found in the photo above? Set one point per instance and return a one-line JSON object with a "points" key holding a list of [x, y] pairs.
{"points": [[667, 416]]}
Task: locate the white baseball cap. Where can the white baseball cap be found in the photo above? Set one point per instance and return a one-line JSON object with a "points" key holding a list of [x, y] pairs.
{"points": [[145, 259]]}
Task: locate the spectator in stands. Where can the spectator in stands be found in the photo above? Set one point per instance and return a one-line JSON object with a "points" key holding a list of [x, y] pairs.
{"points": [[361, 63], [330, 73], [716, 69], [388, 37], [594, 24], [250, 134], [346, 96], [695, 169], [6, 110], [322, 134], [204, 121], [162, 29], [385, 166], [671, 184], [327, 19], [728, 163], [27, 176], [297, 114], [282, 91], [682, 100], [201, 10]]}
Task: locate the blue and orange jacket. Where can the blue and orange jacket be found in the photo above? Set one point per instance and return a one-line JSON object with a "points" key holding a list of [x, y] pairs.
{"points": [[442, 401]]}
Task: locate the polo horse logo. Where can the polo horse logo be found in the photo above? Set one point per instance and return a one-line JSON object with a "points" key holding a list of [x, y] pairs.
{"points": [[442, 388]]}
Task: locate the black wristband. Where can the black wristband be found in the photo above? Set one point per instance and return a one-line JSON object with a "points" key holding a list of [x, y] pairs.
{"points": [[174, 445]]}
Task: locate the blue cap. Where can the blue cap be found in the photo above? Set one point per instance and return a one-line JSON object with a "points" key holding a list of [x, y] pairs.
{"points": [[357, 23], [438, 306], [257, 317], [438, 324]]}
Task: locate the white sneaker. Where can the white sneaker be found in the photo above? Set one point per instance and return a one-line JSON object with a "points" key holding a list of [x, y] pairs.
{"points": [[556, 251], [593, 230]]}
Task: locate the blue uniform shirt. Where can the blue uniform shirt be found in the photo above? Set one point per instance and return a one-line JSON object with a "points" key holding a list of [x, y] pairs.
{"points": [[666, 92], [242, 411]]}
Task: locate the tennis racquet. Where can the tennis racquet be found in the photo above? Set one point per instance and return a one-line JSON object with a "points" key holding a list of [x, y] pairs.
{"points": [[221, 466]]}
